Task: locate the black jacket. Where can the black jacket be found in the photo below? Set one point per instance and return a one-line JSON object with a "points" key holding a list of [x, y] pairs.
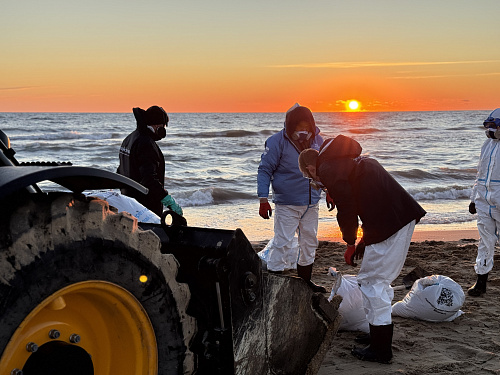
{"points": [[142, 160], [361, 187]]}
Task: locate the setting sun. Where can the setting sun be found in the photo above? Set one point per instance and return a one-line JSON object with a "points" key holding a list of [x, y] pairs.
{"points": [[352, 105]]}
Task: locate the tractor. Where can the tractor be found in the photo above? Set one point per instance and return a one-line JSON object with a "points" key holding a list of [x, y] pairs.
{"points": [[85, 289]]}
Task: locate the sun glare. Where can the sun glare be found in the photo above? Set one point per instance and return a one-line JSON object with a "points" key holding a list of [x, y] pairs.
{"points": [[352, 105]]}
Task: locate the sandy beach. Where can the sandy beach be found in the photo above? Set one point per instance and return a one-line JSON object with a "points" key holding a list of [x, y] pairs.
{"points": [[470, 344]]}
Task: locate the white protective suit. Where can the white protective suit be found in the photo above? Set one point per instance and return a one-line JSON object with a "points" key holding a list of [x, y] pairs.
{"points": [[285, 225], [381, 265], [486, 196]]}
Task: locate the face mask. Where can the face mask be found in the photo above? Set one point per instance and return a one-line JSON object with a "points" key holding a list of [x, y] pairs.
{"points": [[159, 133], [301, 135], [492, 126], [493, 133]]}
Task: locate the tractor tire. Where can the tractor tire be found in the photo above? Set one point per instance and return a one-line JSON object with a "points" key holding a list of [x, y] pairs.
{"points": [[83, 290]]}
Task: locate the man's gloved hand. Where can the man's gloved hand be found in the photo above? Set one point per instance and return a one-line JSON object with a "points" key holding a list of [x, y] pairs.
{"points": [[265, 210], [329, 202], [360, 250], [349, 255], [169, 202], [472, 208]]}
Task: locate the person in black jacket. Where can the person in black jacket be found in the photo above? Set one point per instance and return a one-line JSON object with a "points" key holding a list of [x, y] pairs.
{"points": [[362, 189], [142, 160]]}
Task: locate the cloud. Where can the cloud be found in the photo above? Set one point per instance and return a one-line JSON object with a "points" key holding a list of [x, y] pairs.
{"points": [[19, 88], [371, 64], [445, 76]]}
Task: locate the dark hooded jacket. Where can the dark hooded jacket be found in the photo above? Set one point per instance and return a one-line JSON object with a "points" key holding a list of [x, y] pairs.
{"points": [[142, 160], [362, 188]]}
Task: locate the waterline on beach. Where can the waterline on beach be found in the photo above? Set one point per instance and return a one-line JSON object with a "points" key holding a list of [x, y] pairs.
{"points": [[245, 216]]}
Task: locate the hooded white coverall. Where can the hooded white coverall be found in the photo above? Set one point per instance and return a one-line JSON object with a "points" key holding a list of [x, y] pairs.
{"points": [[486, 196], [381, 265]]}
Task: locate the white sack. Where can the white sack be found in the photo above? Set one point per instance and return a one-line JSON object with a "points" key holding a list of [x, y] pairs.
{"points": [[293, 255], [351, 308], [127, 204], [433, 298]]}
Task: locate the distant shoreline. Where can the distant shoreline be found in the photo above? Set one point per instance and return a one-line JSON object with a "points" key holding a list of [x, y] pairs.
{"points": [[428, 235], [418, 236]]}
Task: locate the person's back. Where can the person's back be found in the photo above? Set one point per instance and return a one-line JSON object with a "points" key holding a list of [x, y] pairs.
{"points": [[385, 206], [142, 160], [360, 186]]}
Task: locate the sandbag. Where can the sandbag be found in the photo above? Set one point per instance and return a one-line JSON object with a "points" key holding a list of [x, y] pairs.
{"points": [[435, 298], [123, 203], [351, 308], [291, 259]]}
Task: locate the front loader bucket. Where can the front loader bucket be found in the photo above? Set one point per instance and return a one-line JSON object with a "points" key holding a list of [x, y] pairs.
{"points": [[248, 321]]}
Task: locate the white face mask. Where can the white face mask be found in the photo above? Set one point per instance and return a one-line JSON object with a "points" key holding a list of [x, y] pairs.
{"points": [[492, 126], [159, 133], [493, 133], [302, 135]]}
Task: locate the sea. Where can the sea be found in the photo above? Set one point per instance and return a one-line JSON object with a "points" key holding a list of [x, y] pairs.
{"points": [[212, 158]]}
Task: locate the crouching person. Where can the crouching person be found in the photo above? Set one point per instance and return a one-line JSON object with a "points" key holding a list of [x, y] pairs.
{"points": [[362, 188]]}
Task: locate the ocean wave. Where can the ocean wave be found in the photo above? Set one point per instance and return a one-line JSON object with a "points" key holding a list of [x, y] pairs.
{"points": [[365, 131], [458, 128], [458, 173], [209, 196], [413, 119], [222, 133], [414, 174], [63, 136], [405, 130], [442, 173], [42, 118], [437, 219], [442, 193]]}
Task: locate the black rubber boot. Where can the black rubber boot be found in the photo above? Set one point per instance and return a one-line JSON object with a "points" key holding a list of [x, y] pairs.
{"points": [[380, 348], [305, 272], [479, 287], [363, 339]]}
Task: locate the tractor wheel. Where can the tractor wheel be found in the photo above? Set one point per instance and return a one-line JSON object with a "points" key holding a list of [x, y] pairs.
{"points": [[83, 290]]}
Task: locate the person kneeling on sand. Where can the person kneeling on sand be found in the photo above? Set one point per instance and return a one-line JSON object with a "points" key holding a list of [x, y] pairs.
{"points": [[485, 198], [362, 188]]}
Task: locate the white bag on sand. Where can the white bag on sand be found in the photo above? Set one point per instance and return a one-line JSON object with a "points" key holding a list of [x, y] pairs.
{"points": [[435, 298], [351, 308], [127, 204], [291, 261]]}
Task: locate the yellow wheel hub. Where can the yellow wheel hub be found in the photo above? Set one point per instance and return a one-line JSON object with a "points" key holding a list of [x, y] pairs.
{"points": [[100, 317]]}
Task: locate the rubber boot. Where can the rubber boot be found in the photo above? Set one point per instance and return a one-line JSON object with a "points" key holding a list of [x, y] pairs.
{"points": [[363, 339], [305, 272], [380, 348], [479, 287]]}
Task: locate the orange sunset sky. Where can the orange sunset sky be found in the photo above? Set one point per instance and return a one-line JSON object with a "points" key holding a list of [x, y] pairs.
{"points": [[248, 56]]}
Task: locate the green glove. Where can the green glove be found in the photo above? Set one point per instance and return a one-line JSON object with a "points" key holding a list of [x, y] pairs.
{"points": [[169, 202]]}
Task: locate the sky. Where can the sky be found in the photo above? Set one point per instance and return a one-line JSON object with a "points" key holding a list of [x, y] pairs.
{"points": [[249, 56]]}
